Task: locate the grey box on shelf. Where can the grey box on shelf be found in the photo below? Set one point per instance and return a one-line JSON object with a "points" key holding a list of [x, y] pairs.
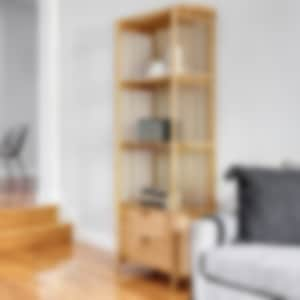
{"points": [[152, 196], [154, 130]]}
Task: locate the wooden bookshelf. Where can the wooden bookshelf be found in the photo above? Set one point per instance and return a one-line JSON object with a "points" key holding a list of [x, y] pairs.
{"points": [[184, 165]]}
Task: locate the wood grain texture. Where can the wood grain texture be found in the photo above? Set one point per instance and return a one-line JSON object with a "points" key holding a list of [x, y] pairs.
{"points": [[35, 237], [31, 228], [77, 273], [211, 48], [11, 218], [118, 135]]}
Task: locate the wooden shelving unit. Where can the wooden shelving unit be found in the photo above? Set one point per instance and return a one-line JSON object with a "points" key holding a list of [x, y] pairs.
{"points": [[184, 166]]}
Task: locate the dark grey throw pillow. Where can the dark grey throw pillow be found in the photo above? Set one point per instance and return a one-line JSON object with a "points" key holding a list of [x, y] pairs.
{"points": [[269, 204]]}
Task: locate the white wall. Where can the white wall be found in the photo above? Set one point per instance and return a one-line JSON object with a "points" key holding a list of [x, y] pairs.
{"points": [[258, 97], [258, 92], [1, 60], [18, 74], [49, 106]]}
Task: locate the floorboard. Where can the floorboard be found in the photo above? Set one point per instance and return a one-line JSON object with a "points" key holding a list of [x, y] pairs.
{"points": [[79, 272]]}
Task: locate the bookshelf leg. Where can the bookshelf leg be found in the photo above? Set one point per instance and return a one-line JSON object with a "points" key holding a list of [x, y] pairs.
{"points": [[174, 282]]}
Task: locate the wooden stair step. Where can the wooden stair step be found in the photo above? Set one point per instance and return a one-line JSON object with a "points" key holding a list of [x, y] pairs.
{"points": [[14, 218], [35, 237]]}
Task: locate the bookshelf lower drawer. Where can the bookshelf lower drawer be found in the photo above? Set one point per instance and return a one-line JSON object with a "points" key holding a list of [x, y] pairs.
{"points": [[148, 251], [147, 239]]}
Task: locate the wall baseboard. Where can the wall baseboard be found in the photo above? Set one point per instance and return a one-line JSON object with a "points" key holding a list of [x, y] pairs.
{"points": [[101, 240]]}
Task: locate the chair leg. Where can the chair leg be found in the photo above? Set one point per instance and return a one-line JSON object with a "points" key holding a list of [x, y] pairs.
{"points": [[21, 166]]}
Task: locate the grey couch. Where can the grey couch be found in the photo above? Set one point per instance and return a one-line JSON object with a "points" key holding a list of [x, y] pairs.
{"points": [[224, 269]]}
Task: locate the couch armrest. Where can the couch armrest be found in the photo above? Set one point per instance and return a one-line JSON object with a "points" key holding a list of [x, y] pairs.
{"points": [[206, 235], [211, 232], [204, 238], [230, 227]]}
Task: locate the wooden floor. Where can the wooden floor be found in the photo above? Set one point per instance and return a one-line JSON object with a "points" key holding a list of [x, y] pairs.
{"points": [[77, 273]]}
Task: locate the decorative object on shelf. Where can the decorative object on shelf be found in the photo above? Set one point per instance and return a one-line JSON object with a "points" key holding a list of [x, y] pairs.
{"points": [[152, 196], [154, 130], [157, 68]]}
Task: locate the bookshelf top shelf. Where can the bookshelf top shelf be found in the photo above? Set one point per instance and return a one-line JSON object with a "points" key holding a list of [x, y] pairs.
{"points": [[183, 79], [157, 19]]}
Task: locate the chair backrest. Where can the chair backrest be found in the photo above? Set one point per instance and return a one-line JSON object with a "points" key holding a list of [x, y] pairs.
{"points": [[14, 140]]}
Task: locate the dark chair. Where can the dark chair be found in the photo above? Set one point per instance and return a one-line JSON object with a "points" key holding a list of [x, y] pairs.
{"points": [[11, 147]]}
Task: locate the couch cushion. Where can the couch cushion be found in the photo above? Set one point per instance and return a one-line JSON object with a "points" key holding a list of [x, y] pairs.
{"points": [[266, 270], [269, 204]]}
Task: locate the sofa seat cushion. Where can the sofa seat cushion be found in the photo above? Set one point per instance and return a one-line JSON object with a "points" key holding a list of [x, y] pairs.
{"points": [[263, 269]]}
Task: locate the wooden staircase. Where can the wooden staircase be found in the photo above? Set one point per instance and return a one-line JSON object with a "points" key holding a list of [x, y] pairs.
{"points": [[33, 228]]}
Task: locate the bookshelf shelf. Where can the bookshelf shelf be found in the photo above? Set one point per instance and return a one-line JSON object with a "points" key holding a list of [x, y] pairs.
{"points": [[155, 146], [136, 145], [183, 79]]}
